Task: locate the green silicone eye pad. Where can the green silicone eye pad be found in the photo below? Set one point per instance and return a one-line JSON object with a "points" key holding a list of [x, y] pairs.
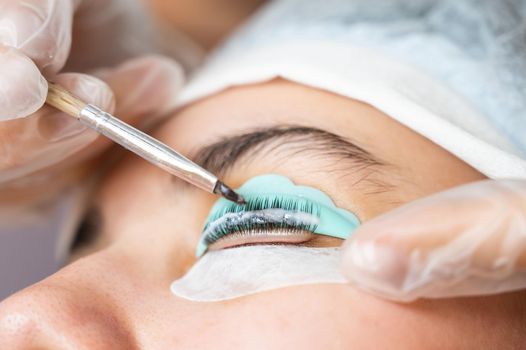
{"points": [[274, 202]]}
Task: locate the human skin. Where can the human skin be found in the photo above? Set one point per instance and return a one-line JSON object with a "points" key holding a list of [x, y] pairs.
{"points": [[116, 296], [187, 16]]}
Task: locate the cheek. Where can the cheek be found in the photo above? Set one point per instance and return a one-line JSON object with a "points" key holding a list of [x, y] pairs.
{"points": [[153, 219], [124, 297], [305, 317], [291, 318], [332, 317]]}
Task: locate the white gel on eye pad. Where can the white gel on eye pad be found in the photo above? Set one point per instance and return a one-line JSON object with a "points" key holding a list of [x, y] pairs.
{"points": [[236, 272]]}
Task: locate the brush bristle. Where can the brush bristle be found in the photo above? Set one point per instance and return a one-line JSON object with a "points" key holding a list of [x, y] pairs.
{"points": [[228, 193], [63, 100]]}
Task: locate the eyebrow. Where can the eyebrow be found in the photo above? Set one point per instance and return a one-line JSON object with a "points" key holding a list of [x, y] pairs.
{"points": [[222, 156], [88, 230]]}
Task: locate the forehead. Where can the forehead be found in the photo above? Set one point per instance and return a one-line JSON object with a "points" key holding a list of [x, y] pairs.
{"points": [[276, 103]]}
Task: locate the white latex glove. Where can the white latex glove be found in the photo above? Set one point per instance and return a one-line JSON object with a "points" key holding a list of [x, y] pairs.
{"points": [[35, 41], [469, 240]]}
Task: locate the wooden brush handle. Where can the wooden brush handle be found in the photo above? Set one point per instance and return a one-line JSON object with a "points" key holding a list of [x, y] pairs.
{"points": [[63, 100]]}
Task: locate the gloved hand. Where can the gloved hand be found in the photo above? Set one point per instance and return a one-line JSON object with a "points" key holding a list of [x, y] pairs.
{"points": [[469, 240], [35, 41]]}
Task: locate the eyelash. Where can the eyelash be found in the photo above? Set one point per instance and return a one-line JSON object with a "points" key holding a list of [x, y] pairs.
{"points": [[263, 215]]}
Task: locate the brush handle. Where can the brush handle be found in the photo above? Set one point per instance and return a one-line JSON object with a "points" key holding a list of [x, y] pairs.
{"points": [[147, 147], [131, 138]]}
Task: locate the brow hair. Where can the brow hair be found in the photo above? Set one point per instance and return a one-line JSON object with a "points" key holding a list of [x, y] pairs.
{"points": [[223, 155], [88, 230]]}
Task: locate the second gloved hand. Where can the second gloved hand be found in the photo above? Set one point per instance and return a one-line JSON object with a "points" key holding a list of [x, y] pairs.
{"points": [[469, 240]]}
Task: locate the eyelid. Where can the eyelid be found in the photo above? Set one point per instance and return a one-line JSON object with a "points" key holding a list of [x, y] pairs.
{"points": [[265, 223], [262, 236], [290, 200]]}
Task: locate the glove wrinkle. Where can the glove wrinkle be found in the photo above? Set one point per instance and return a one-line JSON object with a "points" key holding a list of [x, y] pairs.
{"points": [[469, 240]]}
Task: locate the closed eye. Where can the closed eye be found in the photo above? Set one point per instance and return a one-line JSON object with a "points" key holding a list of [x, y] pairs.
{"points": [[274, 236]]}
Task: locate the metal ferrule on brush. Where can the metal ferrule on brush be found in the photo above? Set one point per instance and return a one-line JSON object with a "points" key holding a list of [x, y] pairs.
{"points": [[148, 148]]}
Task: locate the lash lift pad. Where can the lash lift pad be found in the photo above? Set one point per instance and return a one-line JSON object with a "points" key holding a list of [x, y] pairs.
{"points": [[230, 273]]}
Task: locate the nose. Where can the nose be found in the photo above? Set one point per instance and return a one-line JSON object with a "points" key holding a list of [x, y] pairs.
{"points": [[52, 316]]}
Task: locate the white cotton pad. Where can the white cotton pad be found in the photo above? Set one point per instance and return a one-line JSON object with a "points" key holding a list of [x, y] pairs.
{"points": [[236, 272]]}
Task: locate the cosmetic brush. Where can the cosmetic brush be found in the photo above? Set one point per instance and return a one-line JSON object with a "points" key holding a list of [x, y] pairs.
{"points": [[138, 142]]}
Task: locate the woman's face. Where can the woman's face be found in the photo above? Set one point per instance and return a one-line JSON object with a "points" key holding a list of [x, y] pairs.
{"points": [[116, 292]]}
